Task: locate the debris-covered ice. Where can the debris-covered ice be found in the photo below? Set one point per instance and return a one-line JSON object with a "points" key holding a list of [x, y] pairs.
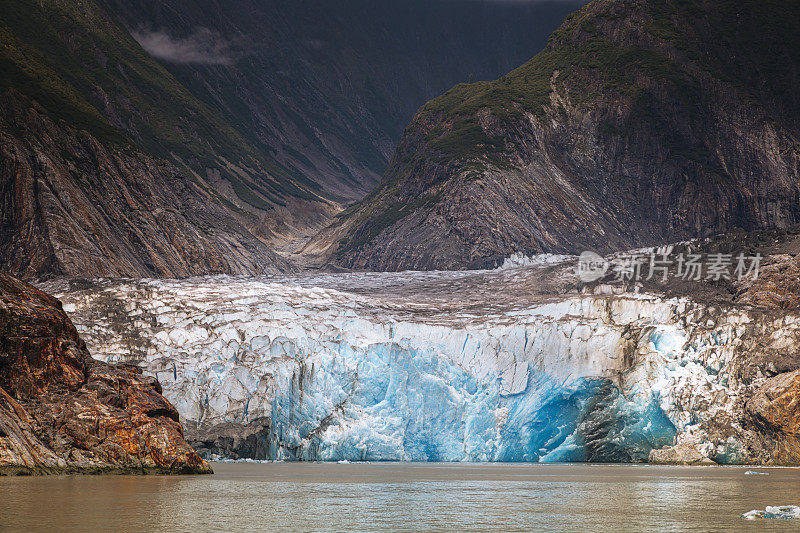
{"points": [[781, 512], [521, 260]]}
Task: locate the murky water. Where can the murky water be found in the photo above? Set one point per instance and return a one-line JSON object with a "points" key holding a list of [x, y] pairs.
{"points": [[404, 497]]}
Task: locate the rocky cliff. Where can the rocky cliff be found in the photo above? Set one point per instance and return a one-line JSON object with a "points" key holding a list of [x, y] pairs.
{"points": [[641, 122], [63, 411], [74, 205], [109, 166]]}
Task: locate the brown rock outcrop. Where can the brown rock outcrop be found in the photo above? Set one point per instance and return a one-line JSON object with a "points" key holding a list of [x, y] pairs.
{"points": [[63, 411], [775, 410]]}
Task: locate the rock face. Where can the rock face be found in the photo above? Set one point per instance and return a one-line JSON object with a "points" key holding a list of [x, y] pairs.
{"points": [[62, 411], [629, 129], [72, 205], [330, 87], [109, 166], [776, 408], [232, 440]]}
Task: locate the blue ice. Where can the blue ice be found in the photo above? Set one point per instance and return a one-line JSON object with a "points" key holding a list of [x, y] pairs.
{"points": [[388, 402]]}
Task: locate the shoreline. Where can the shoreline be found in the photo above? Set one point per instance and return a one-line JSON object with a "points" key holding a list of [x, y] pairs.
{"points": [[28, 471]]}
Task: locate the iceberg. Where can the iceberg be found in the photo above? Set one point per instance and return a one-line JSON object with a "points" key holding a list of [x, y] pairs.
{"points": [[786, 512]]}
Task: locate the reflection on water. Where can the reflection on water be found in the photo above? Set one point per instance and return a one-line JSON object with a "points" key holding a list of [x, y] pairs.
{"points": [[405, 497]]}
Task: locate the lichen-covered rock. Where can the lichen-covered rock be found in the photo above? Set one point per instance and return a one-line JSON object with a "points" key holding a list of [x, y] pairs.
{"points": [[19, 445], [776, 404], [61, 410]]}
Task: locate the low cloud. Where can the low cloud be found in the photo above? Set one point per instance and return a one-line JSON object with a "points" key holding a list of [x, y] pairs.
{"points": [[201, 47]]}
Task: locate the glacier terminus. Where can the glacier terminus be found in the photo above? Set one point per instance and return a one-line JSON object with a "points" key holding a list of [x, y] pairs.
{"points": [[512, 364]]}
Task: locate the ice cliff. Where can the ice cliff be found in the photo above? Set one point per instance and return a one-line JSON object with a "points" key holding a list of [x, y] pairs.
{"points": [[438, 366]]}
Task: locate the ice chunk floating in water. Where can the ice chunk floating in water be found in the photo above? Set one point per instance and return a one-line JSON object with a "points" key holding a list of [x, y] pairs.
{"points": [[783, 512]]}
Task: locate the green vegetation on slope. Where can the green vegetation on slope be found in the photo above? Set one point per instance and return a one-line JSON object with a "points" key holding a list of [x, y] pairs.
{"points": [[745, 43], [27, 71], [528, 89]]}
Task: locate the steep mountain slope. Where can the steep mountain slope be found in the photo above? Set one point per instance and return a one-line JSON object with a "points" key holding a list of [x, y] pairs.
{"points": [[641, 122], [328, 87], [109, 166]]}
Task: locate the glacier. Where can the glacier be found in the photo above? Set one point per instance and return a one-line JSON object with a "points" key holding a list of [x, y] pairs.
{"points": [[432, 366]]}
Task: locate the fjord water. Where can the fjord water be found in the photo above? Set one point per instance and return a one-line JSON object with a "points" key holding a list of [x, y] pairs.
{"points": [[404, 497]]}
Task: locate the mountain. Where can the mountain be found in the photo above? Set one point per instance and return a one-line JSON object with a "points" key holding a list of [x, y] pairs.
{"points": [[152, 139], [63, 411], [641, 122], [109, 166]]}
